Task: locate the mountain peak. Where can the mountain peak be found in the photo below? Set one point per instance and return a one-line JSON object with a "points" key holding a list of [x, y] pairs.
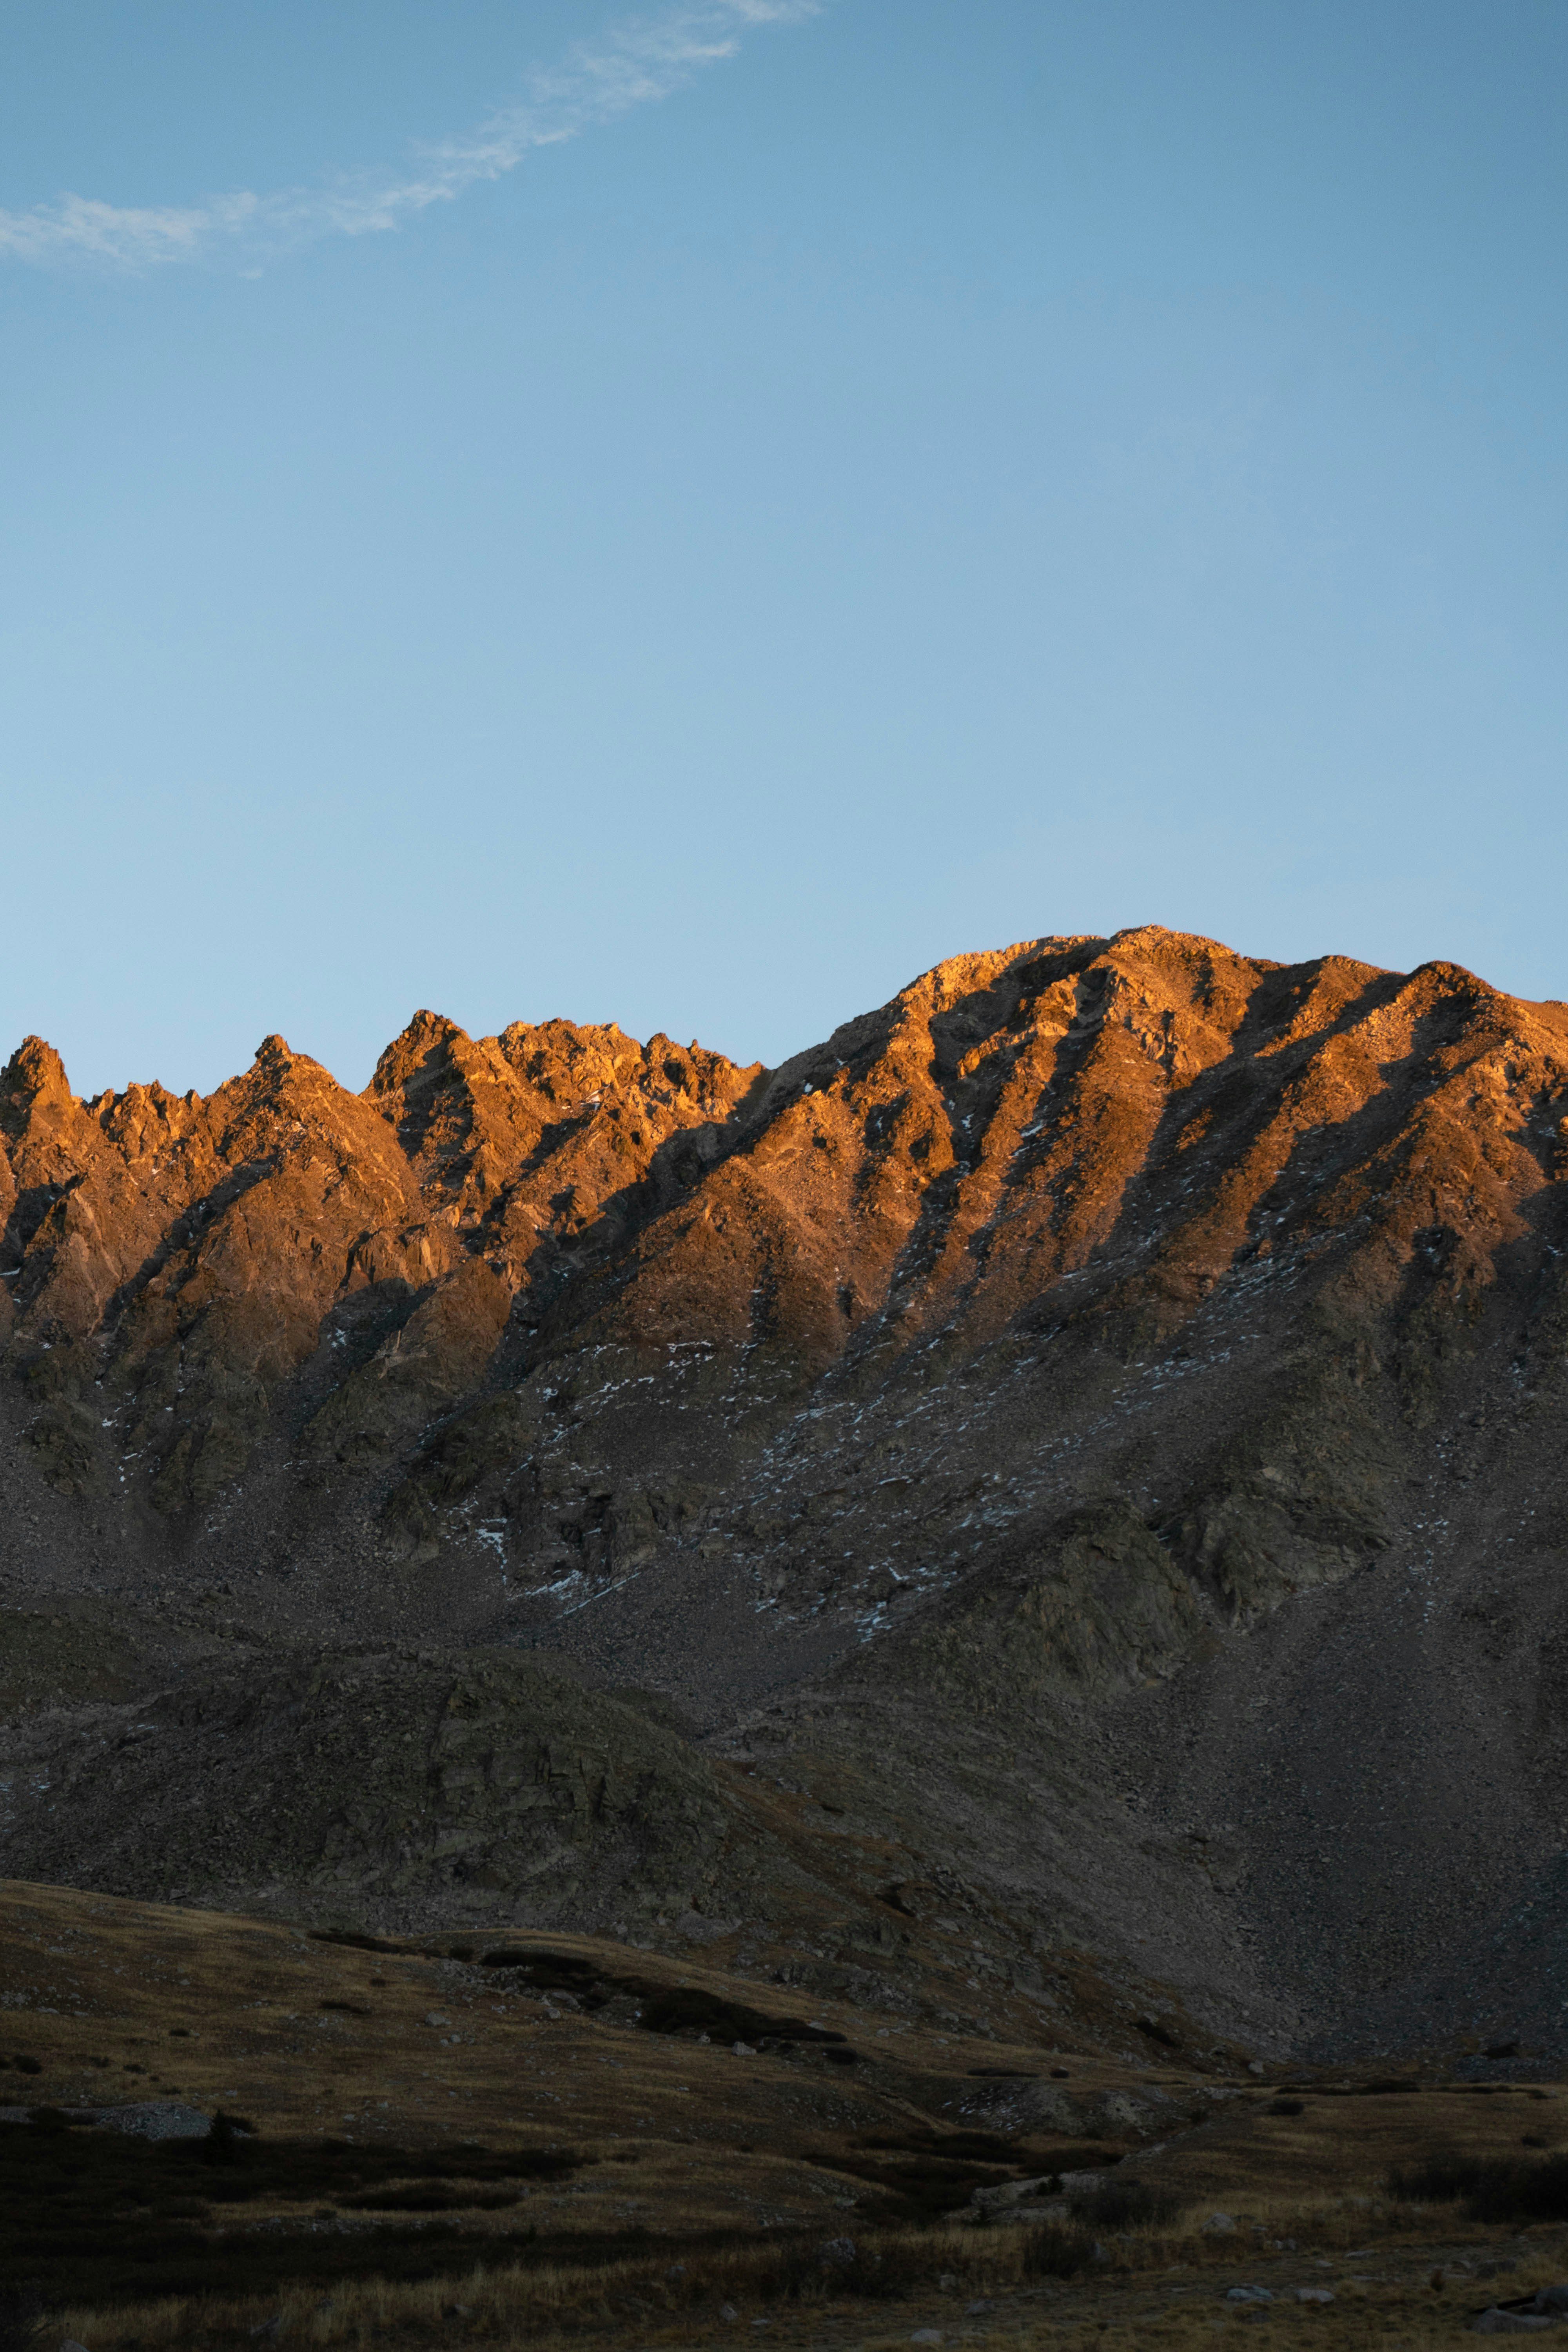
{"points": [[1113, 1364]]}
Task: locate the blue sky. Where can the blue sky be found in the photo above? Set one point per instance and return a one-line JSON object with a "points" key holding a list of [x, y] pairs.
{"points": [[688, 516]]}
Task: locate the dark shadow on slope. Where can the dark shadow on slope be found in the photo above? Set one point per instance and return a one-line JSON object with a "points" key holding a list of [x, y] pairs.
{"points": [[437, 1090], [188, 1231], [1006, 1004]]}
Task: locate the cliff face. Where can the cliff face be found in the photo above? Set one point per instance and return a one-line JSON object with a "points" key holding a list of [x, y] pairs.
{"points": [[1101, 1411]]}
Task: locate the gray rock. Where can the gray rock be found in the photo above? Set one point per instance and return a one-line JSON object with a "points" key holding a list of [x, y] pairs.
{"points": [[1552, 2298], [1219, 2225], [1313, 2295], [1510, 2323], [838, 2255], [1248, 2295], [1013, 2192], [153, 2119], [695, 1930]]}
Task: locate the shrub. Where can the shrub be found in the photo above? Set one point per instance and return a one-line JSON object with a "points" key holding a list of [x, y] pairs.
{"points": [[903, 2265], [1055, 2250], [897, 2267], [226, 2139], [1495, 2189], [1125, 2205]]}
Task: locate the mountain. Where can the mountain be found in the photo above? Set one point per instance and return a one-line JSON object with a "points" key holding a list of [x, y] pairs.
{"points": [[1055, 1495]]}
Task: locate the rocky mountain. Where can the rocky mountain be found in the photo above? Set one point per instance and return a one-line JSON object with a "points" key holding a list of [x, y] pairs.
{"points": [[1054, 1495]]}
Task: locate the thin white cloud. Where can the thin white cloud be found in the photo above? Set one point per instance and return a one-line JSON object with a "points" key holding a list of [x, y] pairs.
{"points": [[632, 63]]}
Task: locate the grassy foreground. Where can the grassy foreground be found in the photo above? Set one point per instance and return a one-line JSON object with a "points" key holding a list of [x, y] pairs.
{"points": [[437, 2145], [1410, 2285]]}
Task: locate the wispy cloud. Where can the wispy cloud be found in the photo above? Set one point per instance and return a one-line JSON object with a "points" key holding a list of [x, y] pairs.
{"points": [[632, 63]]}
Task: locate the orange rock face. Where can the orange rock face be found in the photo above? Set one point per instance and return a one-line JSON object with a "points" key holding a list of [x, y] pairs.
{"points": [[1122, 1132]]}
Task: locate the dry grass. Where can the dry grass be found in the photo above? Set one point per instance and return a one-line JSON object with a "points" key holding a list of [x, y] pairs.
{"points": [[1169, 2285], [695, 2180], [516, 2304]]}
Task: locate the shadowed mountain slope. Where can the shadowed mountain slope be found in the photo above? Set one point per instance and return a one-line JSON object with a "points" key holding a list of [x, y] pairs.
{"points": [[1088, 1437]]}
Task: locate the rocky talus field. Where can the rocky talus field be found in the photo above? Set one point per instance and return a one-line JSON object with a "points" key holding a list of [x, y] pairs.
{"points": [[1036, 1526]]}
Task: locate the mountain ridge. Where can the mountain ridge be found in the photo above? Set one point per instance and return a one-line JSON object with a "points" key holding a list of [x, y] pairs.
{"points": [[999, 1412]]}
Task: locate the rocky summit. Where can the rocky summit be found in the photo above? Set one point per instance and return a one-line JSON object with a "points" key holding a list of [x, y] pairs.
{"points": [[1047, 1513]]}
